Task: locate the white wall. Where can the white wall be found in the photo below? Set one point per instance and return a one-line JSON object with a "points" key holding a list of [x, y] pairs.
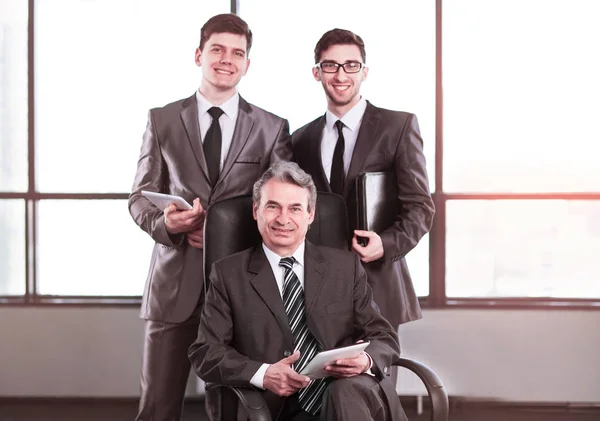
{"points": [[532, 356]]}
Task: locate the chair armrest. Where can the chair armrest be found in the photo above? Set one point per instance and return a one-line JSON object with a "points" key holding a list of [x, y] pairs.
{"points": [[251, 400], [435, 388]]}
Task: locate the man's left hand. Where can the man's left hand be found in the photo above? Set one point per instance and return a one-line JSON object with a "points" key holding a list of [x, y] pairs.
{"points": [[374, 248], [195, 238], [349, 367]]}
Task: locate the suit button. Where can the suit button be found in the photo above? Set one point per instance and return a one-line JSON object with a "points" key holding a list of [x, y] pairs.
{"points": [[287, 353], [385, 371]]}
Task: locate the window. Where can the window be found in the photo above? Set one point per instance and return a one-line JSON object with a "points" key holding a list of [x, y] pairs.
{"points": [[99, 68], [520, 120], [507, 106]]}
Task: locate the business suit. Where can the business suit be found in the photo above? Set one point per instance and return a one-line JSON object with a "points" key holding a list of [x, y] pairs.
{"points": [[387, 141], [244, 323], [172, 161]]}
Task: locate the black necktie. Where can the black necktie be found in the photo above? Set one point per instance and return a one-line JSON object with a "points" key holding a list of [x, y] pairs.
{"points": [[293, 300], [212, 145], [336, 179]]}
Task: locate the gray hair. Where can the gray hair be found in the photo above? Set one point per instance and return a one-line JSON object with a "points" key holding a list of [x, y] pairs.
{"points": [[287, 172]]}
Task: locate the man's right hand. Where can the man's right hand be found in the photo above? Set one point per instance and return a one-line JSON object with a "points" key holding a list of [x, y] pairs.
{"points": [[282, 380], [182, 221]]}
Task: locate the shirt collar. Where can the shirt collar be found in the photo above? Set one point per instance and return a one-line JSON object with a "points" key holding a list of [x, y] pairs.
{"points": [[274, 258], [351, 119], [229, 107]]}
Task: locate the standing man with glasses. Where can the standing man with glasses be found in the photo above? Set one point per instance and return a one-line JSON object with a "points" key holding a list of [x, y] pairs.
{"points": [[355, 136], [208, 147]]}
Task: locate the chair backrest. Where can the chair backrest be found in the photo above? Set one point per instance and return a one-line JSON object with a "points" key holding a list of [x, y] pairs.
{"points": [[230, 227]]}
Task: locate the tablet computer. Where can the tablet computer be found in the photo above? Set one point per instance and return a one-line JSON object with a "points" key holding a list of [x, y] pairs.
{"points": [[315, 368], [162, 200]]}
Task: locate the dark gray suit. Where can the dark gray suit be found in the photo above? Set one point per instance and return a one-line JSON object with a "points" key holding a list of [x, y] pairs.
{"points": [[387, 141], [244, 323], [172, 161]]}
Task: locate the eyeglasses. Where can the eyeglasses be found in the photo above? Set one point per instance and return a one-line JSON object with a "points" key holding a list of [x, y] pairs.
{"points": [[333, 67]]}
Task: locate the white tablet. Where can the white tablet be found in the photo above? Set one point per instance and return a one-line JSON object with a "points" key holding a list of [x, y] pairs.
{"points": [[315, 368], [162, 201]]}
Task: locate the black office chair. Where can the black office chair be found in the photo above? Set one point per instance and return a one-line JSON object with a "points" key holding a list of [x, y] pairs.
{"points": [[230, 228]]}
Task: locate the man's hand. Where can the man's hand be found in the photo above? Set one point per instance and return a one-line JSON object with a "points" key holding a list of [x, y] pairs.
{"points": [[282, 380], [195, 238], [349, 367], [183, 221], [374, 248]]}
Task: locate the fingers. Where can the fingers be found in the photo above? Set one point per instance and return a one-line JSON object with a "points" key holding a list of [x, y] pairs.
{"points": [[374, 248], [363, 233], [197, 206], [291, 359], [297, 381], [183, 221], [282, 380]]}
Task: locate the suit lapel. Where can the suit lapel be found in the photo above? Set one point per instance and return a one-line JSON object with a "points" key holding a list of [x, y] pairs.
{"points": [[189, 117], [241, 134], [365, 143], [315, 136], [265, 285]]}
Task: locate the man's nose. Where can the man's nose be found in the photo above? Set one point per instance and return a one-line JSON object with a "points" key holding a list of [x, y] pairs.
{"points": [[283, 217], [226, 57], [341, 75]]}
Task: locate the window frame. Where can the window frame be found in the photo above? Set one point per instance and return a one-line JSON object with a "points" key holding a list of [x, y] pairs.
{"points": [[436, 299]]}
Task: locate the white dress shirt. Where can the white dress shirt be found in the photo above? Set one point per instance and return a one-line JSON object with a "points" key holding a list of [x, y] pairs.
{"points": [[352, 121], [226, 121]]}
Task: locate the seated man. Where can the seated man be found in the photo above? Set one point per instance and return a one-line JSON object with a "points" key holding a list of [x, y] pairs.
{"points": [[289, 294]]}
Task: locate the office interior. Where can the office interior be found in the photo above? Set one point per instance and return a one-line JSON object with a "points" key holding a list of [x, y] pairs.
{"points": [[506, 93]]}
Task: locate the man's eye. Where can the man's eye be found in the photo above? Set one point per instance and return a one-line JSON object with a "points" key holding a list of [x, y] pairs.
{"points": [[216, 49], [328, 65], [352, 65], [240, 54]]}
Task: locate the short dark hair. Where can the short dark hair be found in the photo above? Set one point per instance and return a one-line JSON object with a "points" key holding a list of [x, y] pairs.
{"points": [[286, 172], [226, 22], [339, 37]]}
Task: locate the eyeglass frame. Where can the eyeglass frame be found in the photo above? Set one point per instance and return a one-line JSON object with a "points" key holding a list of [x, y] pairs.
{"points": [[341, 66]]}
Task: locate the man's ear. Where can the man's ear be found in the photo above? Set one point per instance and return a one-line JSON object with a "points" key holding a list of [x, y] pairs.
{"points": [[316, 74], [311, 216], [365, 71], [247, 65], [254, 211], [197, 56]]}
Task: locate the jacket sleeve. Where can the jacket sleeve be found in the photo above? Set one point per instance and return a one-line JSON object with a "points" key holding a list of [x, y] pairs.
{"points": [[370, 325], [282, 148], [415, 205], [212, 356], [151, 175]]}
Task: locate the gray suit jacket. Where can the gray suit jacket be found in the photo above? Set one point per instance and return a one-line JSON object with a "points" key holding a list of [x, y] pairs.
{"points": [[387, 141], [244, 323], [172, 161]]}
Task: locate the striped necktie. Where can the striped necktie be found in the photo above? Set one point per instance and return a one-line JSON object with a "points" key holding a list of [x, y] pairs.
{"points": [[293, 300]]}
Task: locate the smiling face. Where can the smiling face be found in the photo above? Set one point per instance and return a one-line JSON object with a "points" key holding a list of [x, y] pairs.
{"points": [[224, 61], [342, 89], [283, 216]]}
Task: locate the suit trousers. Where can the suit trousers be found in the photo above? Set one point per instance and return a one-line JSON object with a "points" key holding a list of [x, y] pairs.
{"points": [[165, 368], [356, 398]]}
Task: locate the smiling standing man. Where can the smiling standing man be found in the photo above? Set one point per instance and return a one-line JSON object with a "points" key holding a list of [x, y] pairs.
{"points": [[208, 147], [355, 136]]}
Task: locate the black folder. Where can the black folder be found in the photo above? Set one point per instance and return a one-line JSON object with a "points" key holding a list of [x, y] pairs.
{"points": [[376, 202]]}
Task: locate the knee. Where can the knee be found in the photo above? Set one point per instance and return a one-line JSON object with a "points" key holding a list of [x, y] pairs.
{"points": [[357, 386]]}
